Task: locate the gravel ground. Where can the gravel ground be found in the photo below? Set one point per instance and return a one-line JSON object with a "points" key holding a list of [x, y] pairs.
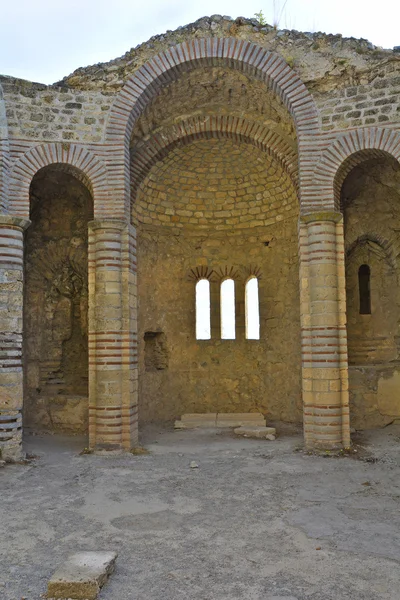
{"points": [[255, 520]]}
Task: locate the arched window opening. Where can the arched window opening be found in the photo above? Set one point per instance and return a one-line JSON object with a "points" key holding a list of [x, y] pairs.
{"points": [[203, 310], [228, 328], [364, 287], [252, 310]]}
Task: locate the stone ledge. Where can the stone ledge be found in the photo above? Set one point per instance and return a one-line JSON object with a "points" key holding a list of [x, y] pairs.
{"points": [[82, 576], [190, 421]]}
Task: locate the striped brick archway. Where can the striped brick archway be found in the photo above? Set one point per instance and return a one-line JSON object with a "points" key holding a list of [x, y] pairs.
{"points": [[323, 287], [4, 155], [242, 55], [167, 66], [145, 154], [348, 151], [389, 246], [64, 156]]}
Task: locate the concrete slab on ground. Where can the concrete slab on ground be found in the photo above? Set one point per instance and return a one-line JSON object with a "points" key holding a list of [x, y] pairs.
{"points": [[82, 576]]}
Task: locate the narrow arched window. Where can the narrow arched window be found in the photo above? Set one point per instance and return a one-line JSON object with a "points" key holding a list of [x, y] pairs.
{"points": [[228, 328], [252, 310], [364, 287], [203, 318]]}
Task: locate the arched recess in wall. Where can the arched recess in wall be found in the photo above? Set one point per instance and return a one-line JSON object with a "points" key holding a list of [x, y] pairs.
{"points": [[207, 184], [346, 153], [368, 188], [4, 155], [65, 157], [147, 153], [56, 300], [167, 66]]}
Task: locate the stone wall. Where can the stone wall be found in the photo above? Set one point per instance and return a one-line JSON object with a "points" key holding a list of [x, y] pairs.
{"points": [[371, 198], [38, 112], [373, 99], [217, 207], [56, 303]]}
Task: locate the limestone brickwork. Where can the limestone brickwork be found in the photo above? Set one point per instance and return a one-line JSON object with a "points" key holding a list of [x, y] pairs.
{"points": [[225, 148]]}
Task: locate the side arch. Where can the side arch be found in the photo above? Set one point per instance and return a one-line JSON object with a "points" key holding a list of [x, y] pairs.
{"points": [[239, 54], [348, 151], [388, 247], [66, 157]]}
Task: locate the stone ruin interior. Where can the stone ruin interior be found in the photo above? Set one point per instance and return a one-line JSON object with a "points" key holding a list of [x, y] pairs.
{"points": [[122, 193]]}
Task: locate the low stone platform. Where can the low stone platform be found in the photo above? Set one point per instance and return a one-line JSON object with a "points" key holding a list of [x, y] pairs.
{"points": [[267, 433], [190, 421], [82, 576]]}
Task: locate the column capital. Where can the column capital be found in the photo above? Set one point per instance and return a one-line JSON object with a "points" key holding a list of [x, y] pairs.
{"points": [[14, 221], [322, 216], [120, 224]]}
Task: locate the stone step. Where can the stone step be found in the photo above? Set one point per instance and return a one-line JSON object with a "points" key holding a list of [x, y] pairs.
{"points": [[82, 576], [190, 421]]}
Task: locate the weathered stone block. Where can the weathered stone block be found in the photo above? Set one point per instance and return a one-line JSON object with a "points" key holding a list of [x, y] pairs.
{"points": [[82, 576], [256, 432]]}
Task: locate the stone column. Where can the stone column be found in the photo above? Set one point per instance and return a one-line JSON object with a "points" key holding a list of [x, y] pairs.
{"points": [[113, 385], [11, 324], [324, 339]]}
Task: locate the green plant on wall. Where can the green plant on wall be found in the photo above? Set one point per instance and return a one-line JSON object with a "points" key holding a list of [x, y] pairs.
{"points": [[278, 11], [260, 17]]}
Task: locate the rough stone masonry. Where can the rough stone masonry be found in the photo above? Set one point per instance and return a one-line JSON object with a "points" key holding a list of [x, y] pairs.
{"points": [[225, 150]]}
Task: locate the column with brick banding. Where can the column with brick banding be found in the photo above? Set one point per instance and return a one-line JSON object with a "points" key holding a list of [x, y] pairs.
{"points": [[113, 422], [324, 341], [11, 322]]}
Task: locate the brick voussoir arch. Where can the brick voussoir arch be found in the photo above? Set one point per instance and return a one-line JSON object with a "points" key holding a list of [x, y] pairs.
{"points": [[348, 151], [388, 245], [64, 156], [4, 155], [240, 54], [146, 154]]}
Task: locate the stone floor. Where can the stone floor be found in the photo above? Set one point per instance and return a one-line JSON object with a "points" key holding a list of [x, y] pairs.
{"points": [[255, 520]]}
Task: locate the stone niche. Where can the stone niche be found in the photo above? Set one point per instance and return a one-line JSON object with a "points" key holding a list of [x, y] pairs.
{"points": [[56, 303], [371, 205], [211, 205]]}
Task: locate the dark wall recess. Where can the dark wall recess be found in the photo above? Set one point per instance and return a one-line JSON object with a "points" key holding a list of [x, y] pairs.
{"points": [[155, 351]]}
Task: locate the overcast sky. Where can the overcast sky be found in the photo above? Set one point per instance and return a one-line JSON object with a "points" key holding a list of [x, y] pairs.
{"points": [[44, 40]]}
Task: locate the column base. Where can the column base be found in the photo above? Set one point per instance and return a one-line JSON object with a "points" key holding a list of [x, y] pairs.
{"points": [[11, 435]]}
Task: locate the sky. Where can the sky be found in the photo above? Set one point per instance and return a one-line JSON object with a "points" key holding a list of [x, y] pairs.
{"points": [[45, 40]]}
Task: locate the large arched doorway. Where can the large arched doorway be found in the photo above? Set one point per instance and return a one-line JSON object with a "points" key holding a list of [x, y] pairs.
{"points": [[370, 199], [56, 301], [209, 200]]}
